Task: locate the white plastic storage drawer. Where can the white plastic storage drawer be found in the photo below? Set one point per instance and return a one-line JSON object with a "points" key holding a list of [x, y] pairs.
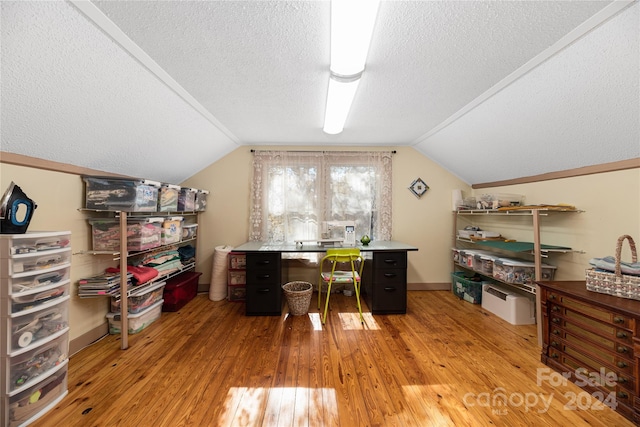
{"points": [[30, 329], [34, 301], [34, 243], [33, 263], [32, 403], [515, 308], [28, 368], [24, 284]]}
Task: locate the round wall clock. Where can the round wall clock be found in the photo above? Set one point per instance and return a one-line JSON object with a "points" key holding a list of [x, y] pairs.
{"points": [[418, 187]]}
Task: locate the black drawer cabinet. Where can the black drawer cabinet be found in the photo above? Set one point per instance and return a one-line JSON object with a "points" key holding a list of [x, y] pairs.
{"points": [[384, 282], [263, 285]]}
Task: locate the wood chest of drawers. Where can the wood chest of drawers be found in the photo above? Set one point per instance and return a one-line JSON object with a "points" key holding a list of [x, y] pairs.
{"points": [[595, 340]]}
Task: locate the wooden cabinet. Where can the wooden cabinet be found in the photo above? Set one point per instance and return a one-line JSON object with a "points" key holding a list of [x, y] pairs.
{"points": [[587, 335], [263, 284], [384, 282], [34, 317]]}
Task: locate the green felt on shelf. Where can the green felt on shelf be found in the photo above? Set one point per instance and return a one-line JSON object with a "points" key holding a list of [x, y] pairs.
{"points": [[518, 246]]}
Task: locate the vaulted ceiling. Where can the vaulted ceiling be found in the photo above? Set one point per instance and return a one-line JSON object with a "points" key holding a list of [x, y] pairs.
{"points": [[490, 90]]}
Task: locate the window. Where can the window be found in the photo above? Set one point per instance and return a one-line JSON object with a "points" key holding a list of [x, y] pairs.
{"points": [[294, 192]]}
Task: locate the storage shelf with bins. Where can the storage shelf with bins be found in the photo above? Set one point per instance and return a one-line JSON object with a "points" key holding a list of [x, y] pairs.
{"points": [[34, 315], [237, 276], [124, 219], [142, 204], [536, 249]]}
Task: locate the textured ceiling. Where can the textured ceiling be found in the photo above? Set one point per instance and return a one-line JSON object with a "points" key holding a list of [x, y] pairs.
{"points": [[161, 89]]}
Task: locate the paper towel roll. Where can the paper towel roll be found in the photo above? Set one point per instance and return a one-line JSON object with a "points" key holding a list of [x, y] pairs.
{"points": [[456, 199], [218, 286], [25, 339]]}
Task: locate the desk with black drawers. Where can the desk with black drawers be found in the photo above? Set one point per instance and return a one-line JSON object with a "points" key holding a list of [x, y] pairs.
{"points": [[384, 278]]}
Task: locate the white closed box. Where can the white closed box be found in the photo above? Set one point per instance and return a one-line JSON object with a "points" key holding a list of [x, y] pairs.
{"points": [[513, 307]]}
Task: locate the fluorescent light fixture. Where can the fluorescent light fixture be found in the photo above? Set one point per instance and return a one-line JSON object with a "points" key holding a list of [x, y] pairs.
{"points": [[352, 24], [339, 101]]}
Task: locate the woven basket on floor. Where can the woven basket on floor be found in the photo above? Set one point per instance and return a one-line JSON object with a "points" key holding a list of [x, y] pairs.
{"points": [[298, 295], [617, 284]]}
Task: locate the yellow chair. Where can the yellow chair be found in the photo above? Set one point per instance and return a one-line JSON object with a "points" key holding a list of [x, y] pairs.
{"points": [[341, 256]]}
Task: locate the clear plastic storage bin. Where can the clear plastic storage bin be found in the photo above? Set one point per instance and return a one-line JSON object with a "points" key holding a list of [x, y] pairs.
{"points": [[136, 322], [520, 272], [483, 263], [468, 258], [121, 194], [189, 231], [142, 234], [187, 199], [168, 198], [171, 231], [201, 200], [140, 298], [499, 200]]}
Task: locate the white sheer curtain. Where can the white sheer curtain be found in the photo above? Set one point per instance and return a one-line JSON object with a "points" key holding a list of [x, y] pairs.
{"points": [[293, 192]]}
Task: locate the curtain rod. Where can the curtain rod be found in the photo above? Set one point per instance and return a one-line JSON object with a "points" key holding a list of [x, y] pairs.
{"points": [[319, 151]]}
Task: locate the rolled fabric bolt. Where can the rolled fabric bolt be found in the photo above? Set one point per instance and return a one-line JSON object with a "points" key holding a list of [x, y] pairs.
{"points": [[25, 339]]}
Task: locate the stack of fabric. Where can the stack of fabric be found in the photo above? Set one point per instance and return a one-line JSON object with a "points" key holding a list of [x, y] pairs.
{"points": [[165, 261], [608, 263], [159, 263]]}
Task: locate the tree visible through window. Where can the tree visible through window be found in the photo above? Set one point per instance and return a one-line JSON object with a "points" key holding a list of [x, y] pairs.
{"points": [[294, 192]]}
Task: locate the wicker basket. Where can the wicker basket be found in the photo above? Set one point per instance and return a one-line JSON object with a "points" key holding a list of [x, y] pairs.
{"points": [[617, 284], [298, 295]]}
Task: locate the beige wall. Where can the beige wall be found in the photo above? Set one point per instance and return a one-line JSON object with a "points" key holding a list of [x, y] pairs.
{"points": [[611, 202], [59, 196], [425, 223], [611, 205]]}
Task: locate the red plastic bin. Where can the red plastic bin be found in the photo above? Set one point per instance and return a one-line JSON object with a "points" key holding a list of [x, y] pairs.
{"points": [[179, 290]]}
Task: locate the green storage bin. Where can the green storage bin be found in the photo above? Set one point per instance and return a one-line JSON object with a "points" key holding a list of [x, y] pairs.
{"points": [[467, 286]]}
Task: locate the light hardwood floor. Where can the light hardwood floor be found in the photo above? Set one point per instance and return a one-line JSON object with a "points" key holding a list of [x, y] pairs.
{"points": [[445, 363]]}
